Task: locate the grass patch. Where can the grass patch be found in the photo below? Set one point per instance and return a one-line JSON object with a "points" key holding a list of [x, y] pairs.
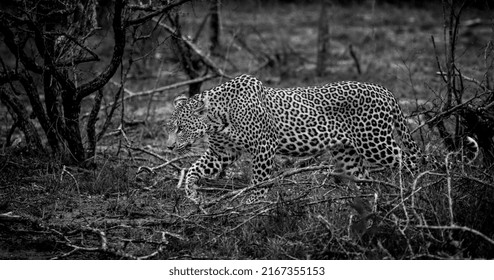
{"points": [[308, 216]]}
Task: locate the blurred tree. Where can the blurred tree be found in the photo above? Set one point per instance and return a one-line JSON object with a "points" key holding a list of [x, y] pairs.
{"points": [[322, 38], [51, 42], [191, 62], [215, 26]]}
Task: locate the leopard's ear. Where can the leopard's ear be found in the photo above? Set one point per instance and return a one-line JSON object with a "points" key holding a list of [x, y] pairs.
{"points": [[200, 108], [179, 100]]}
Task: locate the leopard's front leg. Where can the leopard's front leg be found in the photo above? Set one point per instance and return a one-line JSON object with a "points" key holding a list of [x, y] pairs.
{"points": [[208, 165], [262, 168]]}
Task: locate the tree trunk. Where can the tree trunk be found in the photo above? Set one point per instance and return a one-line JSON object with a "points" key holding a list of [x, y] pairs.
{"points": [[322, 39], [215, 27], [39, 111], [72, 110], [189, 60]]}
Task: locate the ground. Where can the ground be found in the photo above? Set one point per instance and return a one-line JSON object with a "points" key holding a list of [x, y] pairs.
{"points": [[48, 210]]}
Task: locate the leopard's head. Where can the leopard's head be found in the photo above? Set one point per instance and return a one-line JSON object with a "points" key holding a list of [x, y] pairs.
{"points": [[186, 125]]}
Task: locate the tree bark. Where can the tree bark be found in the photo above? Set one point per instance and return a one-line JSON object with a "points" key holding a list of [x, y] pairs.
{"points": [[72, 110]]}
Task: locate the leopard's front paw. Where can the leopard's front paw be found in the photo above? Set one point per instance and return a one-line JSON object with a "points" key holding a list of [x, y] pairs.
{"points": [[192, 194], [257, 195]]}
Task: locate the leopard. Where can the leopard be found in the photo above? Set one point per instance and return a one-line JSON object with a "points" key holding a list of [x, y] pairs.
{"points": [[355, 122]]}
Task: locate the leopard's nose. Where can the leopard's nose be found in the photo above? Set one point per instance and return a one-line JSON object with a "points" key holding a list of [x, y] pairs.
{"points": [[170, 142], [170, 146]]}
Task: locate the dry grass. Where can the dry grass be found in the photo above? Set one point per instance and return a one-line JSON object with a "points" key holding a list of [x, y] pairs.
{"points": [[113, 212]]}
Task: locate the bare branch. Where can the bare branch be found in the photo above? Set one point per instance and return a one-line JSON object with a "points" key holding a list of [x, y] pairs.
{"points": [[161, 166], [355, 58], [196, 50], [132, 94], [463, 228], [118, 50], [475, 81], [447, 112], [18, 51], [153, 14], [91, 123], [94, 56], [20, 114], [269, 183]]}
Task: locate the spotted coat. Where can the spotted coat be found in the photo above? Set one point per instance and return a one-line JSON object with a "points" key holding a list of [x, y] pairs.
{"points": [[354, 121]]}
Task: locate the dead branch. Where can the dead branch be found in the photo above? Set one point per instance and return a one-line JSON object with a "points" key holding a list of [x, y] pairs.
{"points": [[257, 213], [355, 59], [446, 113], [211, 64], [47, 229], [181, 179], [164, 88], [131, 94], [448, 184], [347, 197], [65, 171], [490, 185], [21, 116], [441, 73], [469, 79], [269, 183], [324, 221], [91, 125], [10, 217], [109, 116], [161, 166], [154, 13], [462, 228], [414, 190], [101, 249]]}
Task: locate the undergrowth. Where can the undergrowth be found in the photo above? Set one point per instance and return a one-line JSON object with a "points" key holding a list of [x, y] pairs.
{"points": [[52, 211]]}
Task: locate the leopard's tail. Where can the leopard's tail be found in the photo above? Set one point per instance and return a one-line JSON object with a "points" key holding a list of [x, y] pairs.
{"points": [[468, 153], [470, 149]]}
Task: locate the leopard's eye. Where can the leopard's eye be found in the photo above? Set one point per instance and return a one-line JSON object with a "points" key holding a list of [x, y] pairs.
{"points": [[170, 127]]}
